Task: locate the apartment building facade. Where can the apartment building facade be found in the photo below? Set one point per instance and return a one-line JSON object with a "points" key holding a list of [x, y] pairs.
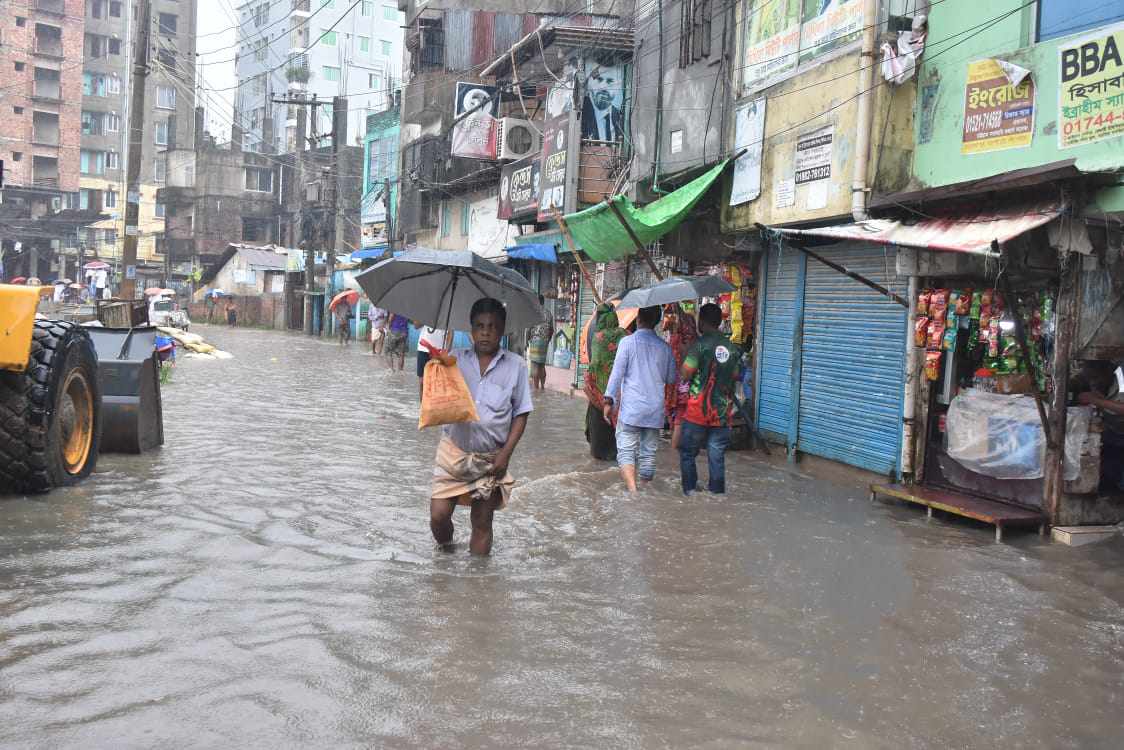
{"points": [[41, 58], [107, 50], [321, 48]]}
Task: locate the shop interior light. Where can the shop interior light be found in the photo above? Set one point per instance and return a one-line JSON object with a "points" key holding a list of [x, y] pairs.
{"points": [[1006, 325]]}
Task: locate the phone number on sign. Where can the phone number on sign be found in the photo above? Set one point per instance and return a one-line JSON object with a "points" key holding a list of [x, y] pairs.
{"points": [[1090, 122]]}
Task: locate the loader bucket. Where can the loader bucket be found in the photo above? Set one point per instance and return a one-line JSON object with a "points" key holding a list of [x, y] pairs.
{"points": [[129, 375]]}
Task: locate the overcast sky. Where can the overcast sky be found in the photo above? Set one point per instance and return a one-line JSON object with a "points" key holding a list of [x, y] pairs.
{"points": [[216, 47]]}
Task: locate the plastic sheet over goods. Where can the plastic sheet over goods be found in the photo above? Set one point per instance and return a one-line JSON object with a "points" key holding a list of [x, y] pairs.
{"points": [[1001, 436]]}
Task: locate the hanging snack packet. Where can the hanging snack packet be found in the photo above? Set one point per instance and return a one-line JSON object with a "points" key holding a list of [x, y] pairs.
{"points": [[949, 342], [932, 365], [977, 306], [993, 338], [964, 302], [920, 331], [936, 336], [923, 303], [938, 306]]}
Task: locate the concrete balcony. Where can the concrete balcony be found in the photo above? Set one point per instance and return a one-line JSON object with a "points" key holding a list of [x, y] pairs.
{"points": [[54, 7], [47, 91], [48, 47]]}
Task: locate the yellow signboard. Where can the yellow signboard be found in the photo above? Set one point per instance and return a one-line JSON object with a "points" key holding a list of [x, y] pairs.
{"points": [[1091, 93], [997, 113]]}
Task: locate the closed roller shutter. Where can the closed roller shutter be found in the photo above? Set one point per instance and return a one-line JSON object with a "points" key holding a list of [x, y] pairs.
{"points": [[774, 374], [851, 374]]}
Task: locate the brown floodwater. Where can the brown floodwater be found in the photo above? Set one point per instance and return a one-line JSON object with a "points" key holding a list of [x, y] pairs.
{"points": [[268, 579]]}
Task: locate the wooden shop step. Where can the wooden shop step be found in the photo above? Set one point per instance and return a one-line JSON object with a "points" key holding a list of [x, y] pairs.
{"points": [[999, 515]]}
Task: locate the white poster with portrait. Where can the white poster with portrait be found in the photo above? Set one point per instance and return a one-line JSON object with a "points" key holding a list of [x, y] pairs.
{"points": [[749, 135], [474, 137]]}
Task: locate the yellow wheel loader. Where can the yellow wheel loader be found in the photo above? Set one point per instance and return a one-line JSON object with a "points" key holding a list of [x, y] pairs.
{"points": [[56, 394]]}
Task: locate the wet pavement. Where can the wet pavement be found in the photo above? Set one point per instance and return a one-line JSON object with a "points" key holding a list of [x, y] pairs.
{"points": [[267, 579]]}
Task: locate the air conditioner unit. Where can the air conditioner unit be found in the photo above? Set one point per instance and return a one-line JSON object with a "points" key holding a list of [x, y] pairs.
{"points": [[517, 139]]}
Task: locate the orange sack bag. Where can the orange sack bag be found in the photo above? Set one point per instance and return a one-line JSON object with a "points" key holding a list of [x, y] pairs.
{"points": [[445, 396]]}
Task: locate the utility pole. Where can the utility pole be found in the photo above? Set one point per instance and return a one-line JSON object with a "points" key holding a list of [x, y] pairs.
{"points": [[389, 218], [136, 141], [307, 225]]}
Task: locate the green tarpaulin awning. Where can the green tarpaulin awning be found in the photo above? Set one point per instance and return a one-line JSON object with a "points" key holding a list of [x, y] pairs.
{"points": [[599, 232]]}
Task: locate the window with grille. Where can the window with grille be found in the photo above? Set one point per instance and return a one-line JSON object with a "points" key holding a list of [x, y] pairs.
{"points": [[168, 23], [259, 179], [165, 97], [694, 35]]}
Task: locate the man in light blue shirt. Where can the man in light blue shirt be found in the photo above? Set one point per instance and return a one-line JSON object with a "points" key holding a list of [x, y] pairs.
{"points": [[472, 458], [644, 365]]}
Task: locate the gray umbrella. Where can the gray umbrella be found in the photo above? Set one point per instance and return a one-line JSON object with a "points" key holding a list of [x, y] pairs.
{"points": [[438, 288], [677, 289]]}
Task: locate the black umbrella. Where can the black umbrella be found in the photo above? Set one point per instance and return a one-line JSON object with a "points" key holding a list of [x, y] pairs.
{"points": [[438, 288]]}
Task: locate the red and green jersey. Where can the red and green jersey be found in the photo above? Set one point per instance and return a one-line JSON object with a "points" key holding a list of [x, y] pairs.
{"points": [[718, 368]]}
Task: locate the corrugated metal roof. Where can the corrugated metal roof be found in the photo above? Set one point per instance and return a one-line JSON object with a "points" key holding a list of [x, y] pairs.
{"points": [[600, 41], [458, 39], [263, 260], [962, 232]]}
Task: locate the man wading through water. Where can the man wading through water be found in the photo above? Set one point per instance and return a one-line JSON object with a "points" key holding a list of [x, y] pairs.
{"points": [[472, 457]]}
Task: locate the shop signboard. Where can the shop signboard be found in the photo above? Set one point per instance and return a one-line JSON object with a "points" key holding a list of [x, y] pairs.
{"points": [[998, 114], [749, 134], [813, 156], [474, 137], [519, 187], [1091, 94], [828, 23], [556, 133], [772, 38]]}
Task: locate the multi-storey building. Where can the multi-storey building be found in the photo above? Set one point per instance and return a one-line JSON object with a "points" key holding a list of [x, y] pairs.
{"points": [[108, 48], [325, 48], [41, 61]]}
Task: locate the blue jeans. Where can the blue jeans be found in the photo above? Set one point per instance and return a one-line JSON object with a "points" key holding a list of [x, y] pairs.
{"points": [[637, 446], [692, 437]]}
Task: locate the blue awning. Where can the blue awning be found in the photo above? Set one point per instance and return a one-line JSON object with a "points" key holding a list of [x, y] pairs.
{"points": [[368, 253], [538, 251]]}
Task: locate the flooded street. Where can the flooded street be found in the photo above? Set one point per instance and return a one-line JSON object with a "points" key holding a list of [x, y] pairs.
{"points": [[268, 579]]}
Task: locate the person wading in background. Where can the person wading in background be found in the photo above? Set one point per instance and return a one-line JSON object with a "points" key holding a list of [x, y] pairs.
{"points": [[538, 342], [472, 458], [376, 323], [643, 368], [712, 370], [395, 348], [603, 350]]}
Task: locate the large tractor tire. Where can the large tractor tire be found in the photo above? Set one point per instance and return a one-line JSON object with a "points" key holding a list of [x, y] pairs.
{"points": [[50, 414]]}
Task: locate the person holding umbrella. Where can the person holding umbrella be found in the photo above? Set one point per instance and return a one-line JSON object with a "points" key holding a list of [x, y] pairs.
{"points": [[472, 457], [712, 370], [643, 369]]}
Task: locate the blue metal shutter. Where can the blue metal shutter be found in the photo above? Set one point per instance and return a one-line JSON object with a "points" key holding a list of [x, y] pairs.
{"points": [[852, 363], [774, 368]]}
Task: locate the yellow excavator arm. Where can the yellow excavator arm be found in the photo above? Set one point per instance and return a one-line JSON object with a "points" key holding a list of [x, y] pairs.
{"points": [[17, 320]]}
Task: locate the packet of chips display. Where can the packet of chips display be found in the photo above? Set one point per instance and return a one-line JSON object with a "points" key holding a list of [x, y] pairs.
{"points": [[932, 365], [920, 331], [936, 336], [977, 305], [993, 338], [949, 341], [964, 302], [923, 303]]}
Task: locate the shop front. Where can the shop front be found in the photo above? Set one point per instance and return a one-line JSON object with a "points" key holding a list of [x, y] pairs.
{"points": [[830, 362], [943, 349]]}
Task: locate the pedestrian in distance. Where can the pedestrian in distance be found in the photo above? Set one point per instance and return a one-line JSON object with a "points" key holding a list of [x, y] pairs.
{"points": [[538, 342], [376, 324], [472, 457], [642, 370], [343, 322], [435, 337], [398, 330], [231, 313], [712, 369]]}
